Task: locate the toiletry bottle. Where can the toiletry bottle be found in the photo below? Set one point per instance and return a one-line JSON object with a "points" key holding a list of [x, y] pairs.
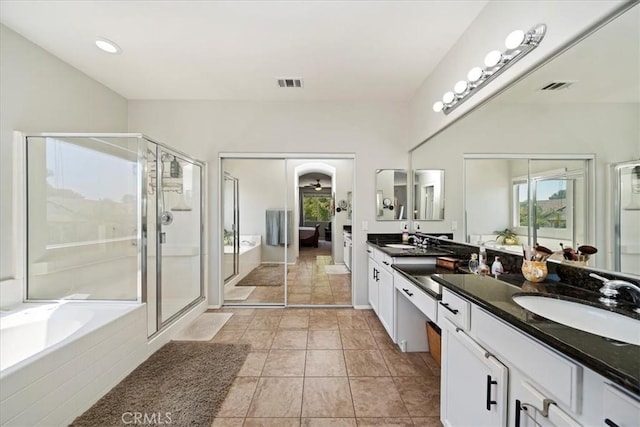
{"points": [[496, 267], [405, 234], [483, 267], [473, 264]]}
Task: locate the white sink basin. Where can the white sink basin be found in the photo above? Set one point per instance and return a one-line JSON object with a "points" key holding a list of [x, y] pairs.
{"points": [[399, 246], [584, 317]]}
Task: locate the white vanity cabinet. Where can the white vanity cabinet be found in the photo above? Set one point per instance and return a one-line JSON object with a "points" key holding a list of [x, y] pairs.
{"points": [[619, 409], [474, 383], [380, 282], [373, 279], [544, 388]]}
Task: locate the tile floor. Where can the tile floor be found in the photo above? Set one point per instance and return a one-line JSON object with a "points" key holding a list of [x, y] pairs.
{"points": [[308, 283], [325, 367]]}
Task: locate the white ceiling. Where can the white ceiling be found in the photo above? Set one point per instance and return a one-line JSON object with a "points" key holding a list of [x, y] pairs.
{"points": [[235, 50]]}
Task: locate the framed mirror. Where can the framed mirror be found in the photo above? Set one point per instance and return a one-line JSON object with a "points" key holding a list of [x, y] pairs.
{"points": [[391, 194], [428, 195], [571, 106]]}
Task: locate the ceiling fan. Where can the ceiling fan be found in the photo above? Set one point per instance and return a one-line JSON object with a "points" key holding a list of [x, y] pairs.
{"points": [[317, 186]]}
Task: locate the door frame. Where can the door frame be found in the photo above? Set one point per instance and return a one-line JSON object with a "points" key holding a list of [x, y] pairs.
{"points": [[284, 156]]}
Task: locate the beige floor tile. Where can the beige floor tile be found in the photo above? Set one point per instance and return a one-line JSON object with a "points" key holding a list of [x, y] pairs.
{"points": [[357, 339], [303, 312], [227, 422], [239, 398], [324, 340], [239, 311], [272, 422], [228, 336], [238, 322], [386, 422], [290, 339], [323, 313], [327, 397], [277, 397], [431, 363], [421, 396], [325, 363], [328, 422], [321, 299], [299, 299], [349, 312], [253, 365], [323, 323], [376, 397], [405, 364], [264, 323], [427, 422], [294, 322], [365, 363], [284, 363], [352, 323], [259, 339], [383, 340]]}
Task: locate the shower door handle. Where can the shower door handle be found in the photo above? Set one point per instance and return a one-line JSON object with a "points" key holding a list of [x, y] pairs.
{"points": [[163, 237]]}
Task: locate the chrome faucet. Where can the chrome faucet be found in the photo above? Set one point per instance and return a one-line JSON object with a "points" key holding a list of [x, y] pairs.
{"points": [[416, 240], [609, 291]]}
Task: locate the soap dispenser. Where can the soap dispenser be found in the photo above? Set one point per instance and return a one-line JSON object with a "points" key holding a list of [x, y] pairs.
{"points": [[496, 267], [483, 267], [405, 234]]}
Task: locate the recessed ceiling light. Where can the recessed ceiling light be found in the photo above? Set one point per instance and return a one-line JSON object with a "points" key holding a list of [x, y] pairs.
{"points": [[107, 45]]}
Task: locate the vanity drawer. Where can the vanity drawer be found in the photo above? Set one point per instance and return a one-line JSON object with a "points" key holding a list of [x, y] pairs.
{"points": [[423, 301], [558, 376], [455, 309], [386, 261]]}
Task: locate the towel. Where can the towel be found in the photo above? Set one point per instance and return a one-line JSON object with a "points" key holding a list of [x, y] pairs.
{"points": [[277, 233]]}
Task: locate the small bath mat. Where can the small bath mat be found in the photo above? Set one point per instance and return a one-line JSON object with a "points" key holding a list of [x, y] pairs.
{"points": [[204, 328], [182, 384], [264, 275], [235, 293], [336, 269]]}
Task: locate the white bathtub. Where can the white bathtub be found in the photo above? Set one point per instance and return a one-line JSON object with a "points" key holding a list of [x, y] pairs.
{"points": [[250, 257], [57, 359]]}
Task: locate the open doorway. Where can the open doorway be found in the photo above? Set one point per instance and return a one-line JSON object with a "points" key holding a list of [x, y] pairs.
{"points": [[282, 231]]}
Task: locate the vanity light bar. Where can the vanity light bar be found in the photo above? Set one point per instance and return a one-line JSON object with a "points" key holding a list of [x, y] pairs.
{"points": [[518, 44]]}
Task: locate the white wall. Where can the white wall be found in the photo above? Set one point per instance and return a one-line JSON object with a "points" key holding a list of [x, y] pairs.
{"points": [[40, 93], [375, 132], [565, 20]]}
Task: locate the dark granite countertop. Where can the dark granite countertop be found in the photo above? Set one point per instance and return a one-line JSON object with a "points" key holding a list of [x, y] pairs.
{"points": [[618, 362], [415, 252], [418, 274]]}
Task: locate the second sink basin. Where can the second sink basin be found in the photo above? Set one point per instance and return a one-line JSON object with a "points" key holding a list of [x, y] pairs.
{"points": [[583, 317], [399, 246]]}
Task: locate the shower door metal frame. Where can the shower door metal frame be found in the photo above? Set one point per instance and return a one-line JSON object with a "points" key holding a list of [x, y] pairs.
{"points": [[616, 171], [236, 225], [142, 180]]}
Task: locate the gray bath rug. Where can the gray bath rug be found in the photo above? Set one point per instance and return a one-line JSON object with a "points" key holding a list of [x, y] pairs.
{"points": [[204, 328], [182, 384], [264, 275]]}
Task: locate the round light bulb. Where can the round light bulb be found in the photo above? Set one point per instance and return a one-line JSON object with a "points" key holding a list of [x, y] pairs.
{"points": [[107, 46], [493, 58], [514, 39], [448, 97], [475, 74], [460, 87], [438, 106]]}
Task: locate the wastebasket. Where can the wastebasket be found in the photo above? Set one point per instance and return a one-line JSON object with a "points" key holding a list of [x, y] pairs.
{"points": [[433, 337]]}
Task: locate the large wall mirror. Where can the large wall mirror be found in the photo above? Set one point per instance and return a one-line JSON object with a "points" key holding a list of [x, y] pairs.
{"points": [[391, 194], [563, 132], [428, 195]]}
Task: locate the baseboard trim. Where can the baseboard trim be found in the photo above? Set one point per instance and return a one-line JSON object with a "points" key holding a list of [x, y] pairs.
{"points": [[362, 307], [213, 307]]}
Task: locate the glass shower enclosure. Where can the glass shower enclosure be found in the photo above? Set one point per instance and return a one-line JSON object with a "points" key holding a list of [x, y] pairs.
{"points": [[114, 217]]}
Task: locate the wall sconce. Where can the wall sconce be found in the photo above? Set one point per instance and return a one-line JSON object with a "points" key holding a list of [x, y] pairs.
{"points": [[518, 44]]}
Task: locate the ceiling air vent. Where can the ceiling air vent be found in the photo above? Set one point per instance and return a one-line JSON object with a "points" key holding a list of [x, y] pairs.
{"points": [[290, 83], [557, 85]]}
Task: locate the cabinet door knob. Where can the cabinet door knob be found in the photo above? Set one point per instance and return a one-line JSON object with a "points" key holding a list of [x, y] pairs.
{"points": [[446, 305]]}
